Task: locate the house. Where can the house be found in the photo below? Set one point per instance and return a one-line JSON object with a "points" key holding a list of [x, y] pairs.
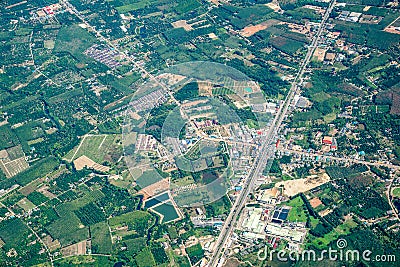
{"points": [[327, 140]]}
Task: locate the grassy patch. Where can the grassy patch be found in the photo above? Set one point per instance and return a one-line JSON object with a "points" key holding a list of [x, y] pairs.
{"points": [[145, 258], [396, 192], [94, 146], [75, 40], [298, 212]]}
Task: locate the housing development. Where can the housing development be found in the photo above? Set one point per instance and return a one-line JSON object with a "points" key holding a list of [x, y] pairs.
{"points": [[199, 133]]}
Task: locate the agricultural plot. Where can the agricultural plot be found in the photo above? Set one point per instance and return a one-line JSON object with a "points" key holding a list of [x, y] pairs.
{"points": [[135, 245], [37, 170], [145, 258], [101, 238], [91, 260], [159, 254], [126, 6], [95, 147], [75, 40], [138, 222], [26, 204], [286, 45], [195, 253], [12, 231], [12, 161], [90, 214], [30, 131], [148, 178], [37, 198], [78, 203], [68, 229], [8, 137]]}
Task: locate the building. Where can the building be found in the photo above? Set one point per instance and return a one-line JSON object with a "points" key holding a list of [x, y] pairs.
{"points": [[327, 140]]}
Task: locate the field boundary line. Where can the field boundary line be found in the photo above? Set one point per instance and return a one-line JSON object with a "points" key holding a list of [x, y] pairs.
{"points": [[105, 137], [79, 147]]}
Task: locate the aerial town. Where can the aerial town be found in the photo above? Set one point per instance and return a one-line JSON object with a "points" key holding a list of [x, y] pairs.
{"points": [[209, 133]]}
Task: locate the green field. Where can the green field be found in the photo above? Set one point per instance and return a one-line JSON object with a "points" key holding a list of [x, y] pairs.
{"points": [[84, 261], [94, 147], [148, 178], [101, 238], [168, 211], [68, 229], [138, 223], [75, 40], [12, 231], [37, 198], [298, 212], [78, 203], [145, 258], [135, 245], [195, 253], [37, 170], [286, 45], [132, 7]]}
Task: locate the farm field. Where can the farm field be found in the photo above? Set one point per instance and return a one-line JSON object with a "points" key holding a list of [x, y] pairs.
{"points": [[68, 229], [130, 217], [101, 238], [148, 177], [95, 147], [12, 231], [37, 170], [145, 258], [75, 40]]}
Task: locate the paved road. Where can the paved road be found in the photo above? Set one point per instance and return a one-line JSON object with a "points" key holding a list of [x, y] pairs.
{"points": [[267, 151]]}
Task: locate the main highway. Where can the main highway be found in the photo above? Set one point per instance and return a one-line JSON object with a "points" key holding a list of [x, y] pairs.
{"points": [[267, 150]]}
